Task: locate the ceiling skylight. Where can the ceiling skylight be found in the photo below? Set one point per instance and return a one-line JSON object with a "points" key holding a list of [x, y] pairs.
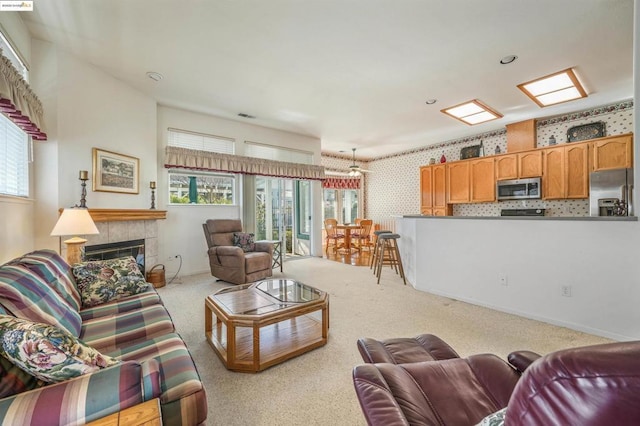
{"points": [[556, 88], [472, 112]]}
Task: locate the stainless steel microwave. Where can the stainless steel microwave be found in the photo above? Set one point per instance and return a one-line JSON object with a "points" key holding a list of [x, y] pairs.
{"points": [[518, 189]]}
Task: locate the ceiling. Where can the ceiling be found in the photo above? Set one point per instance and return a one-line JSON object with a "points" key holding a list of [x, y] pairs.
{"points": [[354, 73]]}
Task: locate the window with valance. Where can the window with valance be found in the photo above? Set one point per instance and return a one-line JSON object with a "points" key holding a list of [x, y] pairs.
{"points": [[18, 102], [183, 158], [341, 183]]}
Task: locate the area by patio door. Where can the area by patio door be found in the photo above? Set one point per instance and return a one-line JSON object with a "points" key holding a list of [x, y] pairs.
{"points": [[275, 211]]}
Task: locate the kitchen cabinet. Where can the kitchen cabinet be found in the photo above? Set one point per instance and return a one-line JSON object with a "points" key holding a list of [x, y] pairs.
{"points": [[447, 211], [577, 171], [482, 180], [615, 152], [458, 182], [439, 186], [433, 191], [506, 167], [521, 136], [566, 172], [530, 164], [516, 166], [426, 187]]}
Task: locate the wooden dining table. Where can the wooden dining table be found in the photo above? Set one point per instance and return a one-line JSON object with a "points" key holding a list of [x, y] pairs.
{"points": [[347, 228]]}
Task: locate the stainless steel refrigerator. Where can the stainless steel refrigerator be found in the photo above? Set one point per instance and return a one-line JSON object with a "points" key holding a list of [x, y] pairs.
{"points": [[611, 193]]}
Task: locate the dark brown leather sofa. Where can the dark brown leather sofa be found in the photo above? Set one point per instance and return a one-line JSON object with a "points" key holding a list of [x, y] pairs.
{"points": [[594, 385], [230, 263]]}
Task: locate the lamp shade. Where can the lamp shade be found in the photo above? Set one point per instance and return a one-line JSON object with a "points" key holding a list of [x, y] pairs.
{"points": [[74, 221]]}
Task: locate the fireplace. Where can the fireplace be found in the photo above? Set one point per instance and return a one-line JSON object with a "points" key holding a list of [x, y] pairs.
{"points": [[134, 248]]}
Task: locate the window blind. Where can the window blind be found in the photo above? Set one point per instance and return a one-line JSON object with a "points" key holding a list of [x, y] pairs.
{"points": [[14, 159], [276, 153], [201, 141]]}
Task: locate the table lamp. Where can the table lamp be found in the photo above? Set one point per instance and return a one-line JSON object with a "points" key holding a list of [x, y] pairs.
{"points": [[74, 221]]}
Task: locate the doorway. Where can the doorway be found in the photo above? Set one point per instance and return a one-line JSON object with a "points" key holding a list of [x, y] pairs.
{"points": [[282, 209]]}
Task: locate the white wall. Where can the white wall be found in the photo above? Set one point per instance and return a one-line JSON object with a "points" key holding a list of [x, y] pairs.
{"points": [[462, 259], [182, 232], [86, 108]]}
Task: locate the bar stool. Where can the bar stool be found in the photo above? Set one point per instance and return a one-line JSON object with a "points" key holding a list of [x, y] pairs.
{"points": [[376, 247], [389, 255]]}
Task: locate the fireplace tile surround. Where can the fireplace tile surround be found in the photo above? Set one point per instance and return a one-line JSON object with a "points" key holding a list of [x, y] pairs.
{"points": [[124, 225], [113, 232]]}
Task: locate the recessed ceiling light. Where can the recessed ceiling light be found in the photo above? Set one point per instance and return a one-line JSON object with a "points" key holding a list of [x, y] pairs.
{"points": [[431, 101], [155, 76], [472, 112], [243, 115], [556, 88], [508, 59]]}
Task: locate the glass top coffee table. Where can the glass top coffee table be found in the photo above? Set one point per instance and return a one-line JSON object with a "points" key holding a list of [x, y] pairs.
{"points": [[265, 323]]}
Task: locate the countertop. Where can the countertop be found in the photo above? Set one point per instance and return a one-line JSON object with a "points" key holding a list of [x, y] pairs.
{"points": [[562, 218]]}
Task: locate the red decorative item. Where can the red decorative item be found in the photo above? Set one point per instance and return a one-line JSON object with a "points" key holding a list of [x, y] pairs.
{"points": [[443, 159]]}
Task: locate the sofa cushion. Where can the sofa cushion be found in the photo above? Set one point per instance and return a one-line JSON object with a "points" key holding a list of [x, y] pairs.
{"points": [[183, 397], [245, 241], [25, 295], [126, 304], [53, 270], [77, 401], [101, 281], [47, 352], [127, 328]]}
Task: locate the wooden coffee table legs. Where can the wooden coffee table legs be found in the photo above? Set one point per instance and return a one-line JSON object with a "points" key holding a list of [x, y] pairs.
{"points": [[251, 343]]}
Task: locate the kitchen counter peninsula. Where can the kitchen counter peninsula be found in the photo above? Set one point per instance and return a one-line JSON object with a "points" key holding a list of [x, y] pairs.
{"points": [[562, 218], [577, 272]]}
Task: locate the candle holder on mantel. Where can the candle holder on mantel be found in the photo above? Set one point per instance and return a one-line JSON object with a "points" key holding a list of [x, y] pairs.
{"points": [[152, 185], [84, 177]]}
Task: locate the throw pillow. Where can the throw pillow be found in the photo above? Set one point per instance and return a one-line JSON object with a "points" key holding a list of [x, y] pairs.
{"points": [[494, 419], [47, 352], [101, 281], [244, 241]]}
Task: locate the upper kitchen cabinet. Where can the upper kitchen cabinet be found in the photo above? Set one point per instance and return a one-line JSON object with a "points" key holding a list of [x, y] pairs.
{"points": [[522, 165], [521, 136], [482, 180], [553, 179], [458, 182], [566, 172], [506, 167], [577, 171], [614, 152], [530, 164]]}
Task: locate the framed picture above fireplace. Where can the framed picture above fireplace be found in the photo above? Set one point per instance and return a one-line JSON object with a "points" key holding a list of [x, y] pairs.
{"points": [[113, 172]]}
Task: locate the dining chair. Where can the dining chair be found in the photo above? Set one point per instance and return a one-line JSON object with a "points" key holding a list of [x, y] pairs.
{"points": [[331, 228], [362, 237]]}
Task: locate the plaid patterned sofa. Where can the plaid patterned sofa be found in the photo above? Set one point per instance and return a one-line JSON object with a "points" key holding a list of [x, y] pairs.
{"points": [[137, 330]]}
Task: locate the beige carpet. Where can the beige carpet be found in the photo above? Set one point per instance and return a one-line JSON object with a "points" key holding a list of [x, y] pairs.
{"points": [[316, 388]]}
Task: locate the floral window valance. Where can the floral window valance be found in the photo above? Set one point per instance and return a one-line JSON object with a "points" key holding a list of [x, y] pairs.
{"points": [[192, 159], [341, 183], [18, 102]]}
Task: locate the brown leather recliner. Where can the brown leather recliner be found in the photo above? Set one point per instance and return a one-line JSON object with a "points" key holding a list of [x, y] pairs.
{"points": [[593, 385], [230, 263]]}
